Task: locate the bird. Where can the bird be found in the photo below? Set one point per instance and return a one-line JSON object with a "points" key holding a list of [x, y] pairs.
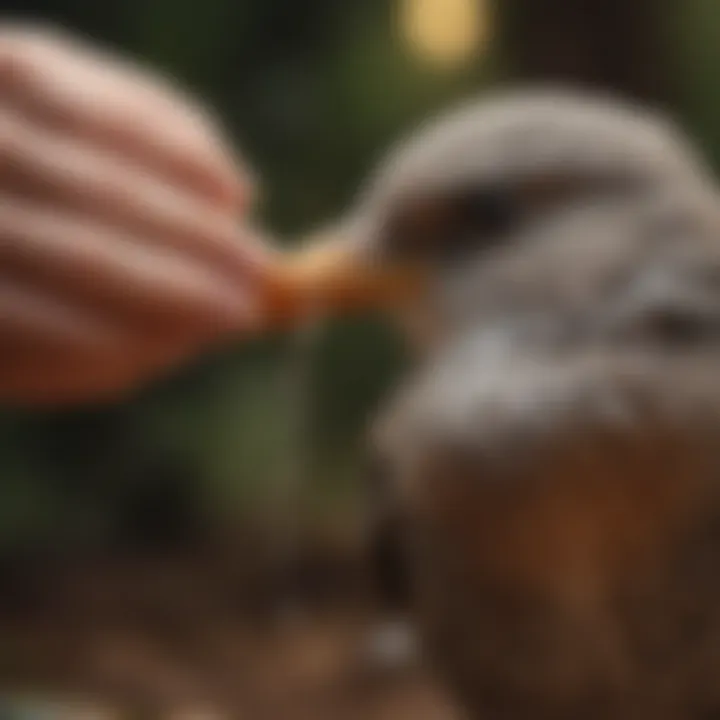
{"points": [[553, 455]]}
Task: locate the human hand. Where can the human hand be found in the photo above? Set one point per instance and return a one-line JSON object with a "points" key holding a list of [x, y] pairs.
{"points": [[120, 248]]}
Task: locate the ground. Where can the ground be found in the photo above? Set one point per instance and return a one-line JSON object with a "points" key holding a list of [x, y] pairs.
{"points": [[162, 643]]}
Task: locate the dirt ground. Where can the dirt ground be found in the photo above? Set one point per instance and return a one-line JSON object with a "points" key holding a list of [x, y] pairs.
{"points": [[151, 643]]}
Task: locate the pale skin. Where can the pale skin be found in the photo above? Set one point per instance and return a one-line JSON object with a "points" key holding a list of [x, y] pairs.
{"points": [[123, 249]]}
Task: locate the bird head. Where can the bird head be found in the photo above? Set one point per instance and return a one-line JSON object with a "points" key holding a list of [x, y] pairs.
{"points": [[496, 188]]}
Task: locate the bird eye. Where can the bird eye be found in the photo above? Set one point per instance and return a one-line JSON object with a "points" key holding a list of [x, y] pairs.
{"points": [[451, 226], [481, 218], [488, 212]]}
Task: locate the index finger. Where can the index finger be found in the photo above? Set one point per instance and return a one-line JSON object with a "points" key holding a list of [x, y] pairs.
{"points": [[71, 87]]}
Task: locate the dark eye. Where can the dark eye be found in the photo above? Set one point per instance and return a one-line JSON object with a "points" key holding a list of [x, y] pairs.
{"points": [[481, 218], [487, 212], [450, 226]]}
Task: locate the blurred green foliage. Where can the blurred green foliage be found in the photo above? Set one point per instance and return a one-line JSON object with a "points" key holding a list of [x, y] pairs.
{"points": [[311, 92]]}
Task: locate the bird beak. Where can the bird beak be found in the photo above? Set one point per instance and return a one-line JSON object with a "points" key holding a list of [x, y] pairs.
{"points": [[333, 273]]}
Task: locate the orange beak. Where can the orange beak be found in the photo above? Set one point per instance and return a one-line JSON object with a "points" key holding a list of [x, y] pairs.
{"points": [[330, 275]]}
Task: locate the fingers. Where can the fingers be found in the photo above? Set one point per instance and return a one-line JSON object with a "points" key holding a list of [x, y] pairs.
{"points": [[77, 377], [141, 287], [120, 253], [51, 170], [73, 89], [55, 352], [35, 326], [33, 321]]}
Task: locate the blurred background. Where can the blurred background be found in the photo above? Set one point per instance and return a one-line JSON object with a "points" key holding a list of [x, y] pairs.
{"points": [[129, 534]]}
